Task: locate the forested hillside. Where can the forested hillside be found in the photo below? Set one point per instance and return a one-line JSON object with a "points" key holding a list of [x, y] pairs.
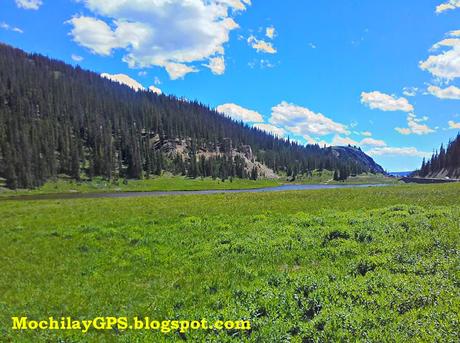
{"points": [[56, 119], [443, 163]]}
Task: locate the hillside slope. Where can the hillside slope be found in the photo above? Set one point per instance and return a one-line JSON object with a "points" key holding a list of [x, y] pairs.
{"points": [[444, 163], [349, 153], [58, 119]]}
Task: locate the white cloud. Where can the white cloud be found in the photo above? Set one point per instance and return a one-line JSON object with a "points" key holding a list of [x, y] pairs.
{"points": [[415, 126], [8, 27], [277, 131], [366, 133], [217, 65], [240, 113], [76, 58], [385, 102], [312, 45], [314, 141], [165, 33], [392, 151], [29, 4], [155, 90], [339, 140], [410, 91], [179, 70], [372, 142], [454, 125], [157, 81], [302, 121], [449, 5], [270, 32], [124, 80], [261, 45], [445, 65], [96, 35], [404, 131], [451, 92]]}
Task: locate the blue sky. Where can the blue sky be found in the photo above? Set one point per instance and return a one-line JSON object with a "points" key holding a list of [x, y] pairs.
{"points": [[384, 75]]}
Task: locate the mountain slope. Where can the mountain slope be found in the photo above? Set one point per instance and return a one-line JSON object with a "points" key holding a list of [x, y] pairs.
{"points": [[445, 163], [356, 155], [56, 119]]}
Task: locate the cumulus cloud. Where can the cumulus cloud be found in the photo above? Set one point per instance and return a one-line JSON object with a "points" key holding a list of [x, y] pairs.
{"points": [[179, 70], [29, 4], [274, 130], [261, 45], [155, 90], [217, 65], [370, 142], [270, 32], [8, 27], [415, 126], [451, 92], [124, 80], [167, 33], [240, 113], [373, 142], [302, 121], [454, 125], [446, 64], [385, 102], [76, 58], [339, 140], [449, 5], [392, 151]]}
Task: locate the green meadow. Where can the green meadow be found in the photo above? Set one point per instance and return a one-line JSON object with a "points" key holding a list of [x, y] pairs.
{"points": [[369, 265], [158, 183], [179, 183]]}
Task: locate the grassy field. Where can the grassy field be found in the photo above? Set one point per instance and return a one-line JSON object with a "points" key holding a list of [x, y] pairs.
{"points": [[179, 183], [327, 177], [164, 183], [315, 266]]}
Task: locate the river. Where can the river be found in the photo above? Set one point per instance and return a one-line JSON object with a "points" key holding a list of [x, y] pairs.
{"points": [[283, 188]]}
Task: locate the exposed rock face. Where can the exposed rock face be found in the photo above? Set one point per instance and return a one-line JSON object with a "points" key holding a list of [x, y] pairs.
{"points": [[246, 150], [352, 153], [453, 173], [182, 147]]}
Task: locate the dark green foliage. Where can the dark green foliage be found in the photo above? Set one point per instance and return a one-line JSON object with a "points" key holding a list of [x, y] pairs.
{"points": [[59, 120], [446, 160]]}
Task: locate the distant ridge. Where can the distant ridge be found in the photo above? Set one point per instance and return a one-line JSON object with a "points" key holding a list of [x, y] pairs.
{"points": [[401, 174]]}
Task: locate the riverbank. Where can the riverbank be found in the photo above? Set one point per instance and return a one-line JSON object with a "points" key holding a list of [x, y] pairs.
{"points": [[170, 183], [281, 188]]}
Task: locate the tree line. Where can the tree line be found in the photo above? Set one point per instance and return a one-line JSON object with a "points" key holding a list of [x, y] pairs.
{"points": [[56, 119], [446, 161]]}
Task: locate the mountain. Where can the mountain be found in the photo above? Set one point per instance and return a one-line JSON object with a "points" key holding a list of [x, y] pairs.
{"points": [[56, 119], [444, 163], [401, 174], [356, 155]]}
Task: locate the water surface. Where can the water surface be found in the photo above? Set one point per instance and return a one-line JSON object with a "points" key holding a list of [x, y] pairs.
{"points": [[283, 188]]}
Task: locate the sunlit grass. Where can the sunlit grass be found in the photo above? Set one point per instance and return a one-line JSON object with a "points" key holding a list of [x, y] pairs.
{"points": [[329, 265]]}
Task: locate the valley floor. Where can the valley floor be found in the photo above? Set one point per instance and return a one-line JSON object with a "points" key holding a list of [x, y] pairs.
{"points": [[179, 183], [376, 264]]}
